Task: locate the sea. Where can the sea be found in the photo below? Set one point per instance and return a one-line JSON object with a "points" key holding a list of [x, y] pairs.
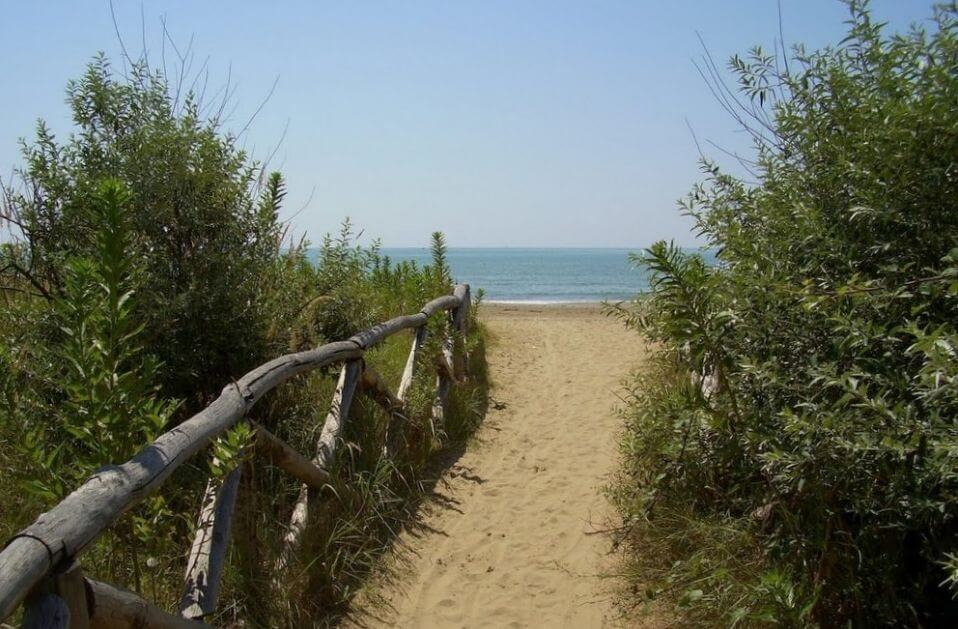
{"points": [[542, 275]]}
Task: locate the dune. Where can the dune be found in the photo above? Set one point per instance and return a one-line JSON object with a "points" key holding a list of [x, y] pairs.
{"points": [[512, 536]]}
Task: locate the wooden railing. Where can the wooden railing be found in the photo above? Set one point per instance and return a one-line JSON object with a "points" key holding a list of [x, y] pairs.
{"points": [[40, 564]]}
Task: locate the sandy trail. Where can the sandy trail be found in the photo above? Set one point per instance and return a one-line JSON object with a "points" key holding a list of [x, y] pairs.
{"points": [[507, 541]]}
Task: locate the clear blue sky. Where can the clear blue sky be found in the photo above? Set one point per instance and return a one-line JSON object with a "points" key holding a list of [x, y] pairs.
{"points": [[502, 123]]}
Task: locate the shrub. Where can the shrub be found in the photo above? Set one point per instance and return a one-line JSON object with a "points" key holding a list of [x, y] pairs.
{"points": [[825, 340], [203, 234], [110, 406]]}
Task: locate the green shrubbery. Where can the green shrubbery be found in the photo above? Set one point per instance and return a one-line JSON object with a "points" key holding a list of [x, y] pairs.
{"points": [[195, 201], [146, 268], [813, 478]]}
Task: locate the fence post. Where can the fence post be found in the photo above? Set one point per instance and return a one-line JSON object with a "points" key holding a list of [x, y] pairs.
{"points": [[61, 602], [207, 559], [71, 587], [460, 328], [46, 610]]}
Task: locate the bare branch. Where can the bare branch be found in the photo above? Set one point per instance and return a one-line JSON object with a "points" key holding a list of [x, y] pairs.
{"points": [[119, 38], [262, 104], [25, 274]]}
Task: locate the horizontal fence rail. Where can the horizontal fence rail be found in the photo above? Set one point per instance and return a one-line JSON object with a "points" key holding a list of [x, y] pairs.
{"points": [[39, 565]]}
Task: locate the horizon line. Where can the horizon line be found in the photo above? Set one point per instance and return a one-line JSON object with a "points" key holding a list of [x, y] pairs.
{"points": [[453, 246]]}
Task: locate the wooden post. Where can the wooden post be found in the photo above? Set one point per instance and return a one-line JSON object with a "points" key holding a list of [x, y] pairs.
{"points": [[443, 384], [405, 383], [61, 602], [204, 569], [46, 610], [394, 429], [465, 304], [446, 376], [460, 324], [289, 460], [325, 455], [115, 608], [374, 387], [71, 587], [445, 361]]}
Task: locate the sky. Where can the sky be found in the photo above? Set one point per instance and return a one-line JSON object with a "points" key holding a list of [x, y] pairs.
{"points": [[500, 123]]}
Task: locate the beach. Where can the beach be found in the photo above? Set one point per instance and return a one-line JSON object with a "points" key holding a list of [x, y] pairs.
{"points": [[512, 536]]}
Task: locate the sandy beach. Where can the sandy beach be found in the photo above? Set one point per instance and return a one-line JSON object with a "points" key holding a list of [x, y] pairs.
{"points": [[509, 539]]}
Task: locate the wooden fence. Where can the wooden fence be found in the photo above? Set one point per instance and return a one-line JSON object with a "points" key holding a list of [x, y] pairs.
{"points": [[40, 565]]}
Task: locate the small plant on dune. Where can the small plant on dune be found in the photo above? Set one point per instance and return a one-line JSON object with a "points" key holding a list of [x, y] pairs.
{"points": [[801, 402], [111, 405], [441, 273]]}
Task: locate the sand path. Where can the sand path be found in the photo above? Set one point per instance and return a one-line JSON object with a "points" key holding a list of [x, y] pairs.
{"points": [[506, 542]]}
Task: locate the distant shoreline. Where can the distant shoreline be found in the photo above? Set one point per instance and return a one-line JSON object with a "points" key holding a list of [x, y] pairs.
{"points": [[543, 302], [540, 277], [556, 302], [550, 309]]}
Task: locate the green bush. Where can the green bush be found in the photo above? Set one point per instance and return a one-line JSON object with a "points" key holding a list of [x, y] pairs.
{"points": [[110, 406], [803, 392], [203, 230]]}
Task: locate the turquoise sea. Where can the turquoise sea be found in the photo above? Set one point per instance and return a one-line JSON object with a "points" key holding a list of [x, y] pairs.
{"points": [[534, 275]]}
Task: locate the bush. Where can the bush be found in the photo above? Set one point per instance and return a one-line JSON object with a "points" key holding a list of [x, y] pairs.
{"points": [[111, 406], [203, 232], [804, 392]]}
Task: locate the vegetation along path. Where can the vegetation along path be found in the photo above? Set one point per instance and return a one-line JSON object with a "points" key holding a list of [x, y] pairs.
{"points": [[507, 541]]}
